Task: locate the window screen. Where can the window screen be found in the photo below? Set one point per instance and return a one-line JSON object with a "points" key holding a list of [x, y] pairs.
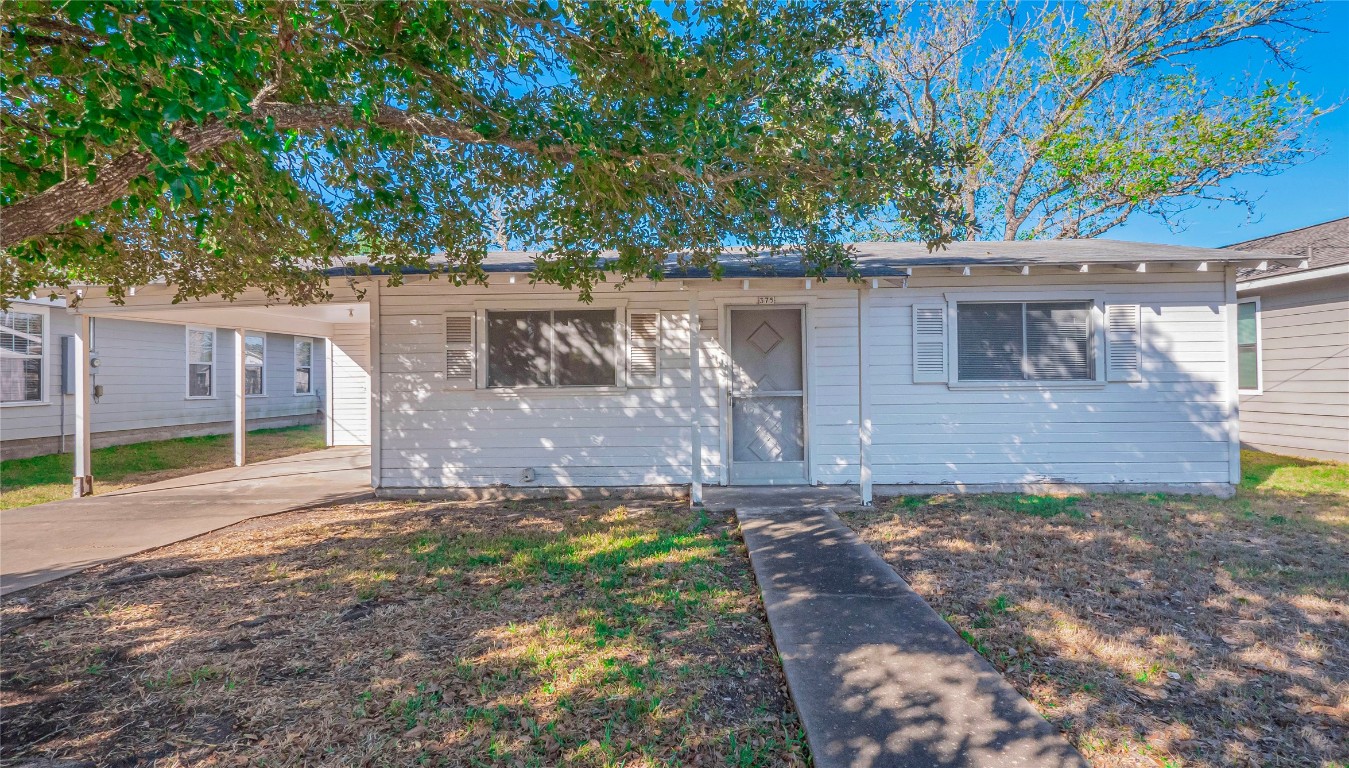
{"points": [[992, 341], [584, 343], [1025, 341], [1058, 340], [570, 348], [21, 337], [255, 363], [1248, 347]]}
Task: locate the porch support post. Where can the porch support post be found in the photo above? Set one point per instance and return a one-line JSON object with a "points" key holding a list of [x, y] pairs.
{"points": [[1233, 378], [376, 387], [240, 401], [864, 394], [696, 393], [329, 427], [83, 481]]}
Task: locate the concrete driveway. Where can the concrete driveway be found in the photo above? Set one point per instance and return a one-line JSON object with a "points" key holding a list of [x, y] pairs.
{"points": [[47, 541]]}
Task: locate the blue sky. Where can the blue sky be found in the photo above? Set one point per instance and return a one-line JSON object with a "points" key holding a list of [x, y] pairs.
{"points": [[1310, 193]]}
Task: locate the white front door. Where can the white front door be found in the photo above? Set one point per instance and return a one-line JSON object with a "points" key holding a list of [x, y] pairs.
{"points": [[768, 397]]}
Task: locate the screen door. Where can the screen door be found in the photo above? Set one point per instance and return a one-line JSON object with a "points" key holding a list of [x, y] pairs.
{"points": [[768, 424]]}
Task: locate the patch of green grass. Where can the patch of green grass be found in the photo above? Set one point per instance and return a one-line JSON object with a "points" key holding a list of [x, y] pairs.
{"points": [[36, 480], [1262, 471], [910, 503], [974, 643], [410, 708], [1035, 506]]}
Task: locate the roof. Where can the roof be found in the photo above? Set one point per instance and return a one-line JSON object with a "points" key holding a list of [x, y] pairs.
{"points": [[1322, 245], [890, 259]]}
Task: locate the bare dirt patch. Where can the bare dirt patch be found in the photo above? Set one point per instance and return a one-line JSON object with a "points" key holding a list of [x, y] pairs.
{"points": [[534, 633], [1154, 630]]}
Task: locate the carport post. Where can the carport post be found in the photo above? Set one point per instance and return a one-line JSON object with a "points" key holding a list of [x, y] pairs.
{"points": [[240, 399], [329, 426], [83, 483]]}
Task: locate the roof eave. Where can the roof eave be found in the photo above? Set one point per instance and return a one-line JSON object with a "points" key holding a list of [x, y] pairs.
{"points": [[1256, 283]]}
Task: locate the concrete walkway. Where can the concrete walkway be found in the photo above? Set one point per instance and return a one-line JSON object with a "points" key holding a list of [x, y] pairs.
{"points": [[47, 541], [878, 678]]}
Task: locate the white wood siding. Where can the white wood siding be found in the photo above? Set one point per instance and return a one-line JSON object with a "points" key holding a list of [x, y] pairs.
{"points": [[433, 436], [1170, 427], [351, 384], [1303, 409], [144, 378]]}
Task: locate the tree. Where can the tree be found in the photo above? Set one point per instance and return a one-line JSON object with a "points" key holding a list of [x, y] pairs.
{"points": [[252, 143], [1075, 116]]}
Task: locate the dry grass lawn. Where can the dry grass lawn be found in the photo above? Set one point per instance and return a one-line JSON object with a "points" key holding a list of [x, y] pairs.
{"points": [[1154, 630], [517, 634]]}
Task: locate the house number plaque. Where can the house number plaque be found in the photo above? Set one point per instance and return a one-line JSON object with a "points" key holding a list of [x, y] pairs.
{"points": [[768, 299]]}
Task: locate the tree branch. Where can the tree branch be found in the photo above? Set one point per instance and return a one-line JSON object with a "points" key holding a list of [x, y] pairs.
{"points": [[66, 201]]}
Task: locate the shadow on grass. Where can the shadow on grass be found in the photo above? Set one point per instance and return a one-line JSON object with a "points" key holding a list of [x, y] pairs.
{"points": [[443, 634], [1153, 628]]}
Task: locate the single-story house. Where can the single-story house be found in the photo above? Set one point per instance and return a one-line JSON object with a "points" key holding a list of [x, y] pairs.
{"points": [[1293, 345], [1088, 364], [152, 381]]}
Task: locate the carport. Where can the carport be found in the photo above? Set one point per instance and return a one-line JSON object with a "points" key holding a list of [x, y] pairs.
{"points": [[343, 324]]}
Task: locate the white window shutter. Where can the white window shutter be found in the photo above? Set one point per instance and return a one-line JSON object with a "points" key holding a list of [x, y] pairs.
{"points": [[929, 343], [644, 342], [1123, 343], [460, 351]]}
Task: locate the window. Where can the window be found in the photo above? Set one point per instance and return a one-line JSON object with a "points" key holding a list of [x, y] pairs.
{"points": [[200, 362], [563, 348], [1248, 346], [1025, 341], [255, 362], [21, 337], [304, 366]]}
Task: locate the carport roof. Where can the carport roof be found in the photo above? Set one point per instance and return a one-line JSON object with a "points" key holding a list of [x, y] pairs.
{"points": [[889, 259]]}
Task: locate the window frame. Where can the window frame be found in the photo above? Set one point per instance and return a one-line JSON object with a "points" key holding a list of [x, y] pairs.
{"points": [[619, 361], [295, 356], [1259, 349], [44, 386], [188, 362], [1096, 343], [480, 307], [262, 368]]}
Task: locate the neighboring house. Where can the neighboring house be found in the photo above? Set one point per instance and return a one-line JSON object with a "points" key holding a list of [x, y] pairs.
{"points": [[1294, 344], [1026, 365], [155, 380]]}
